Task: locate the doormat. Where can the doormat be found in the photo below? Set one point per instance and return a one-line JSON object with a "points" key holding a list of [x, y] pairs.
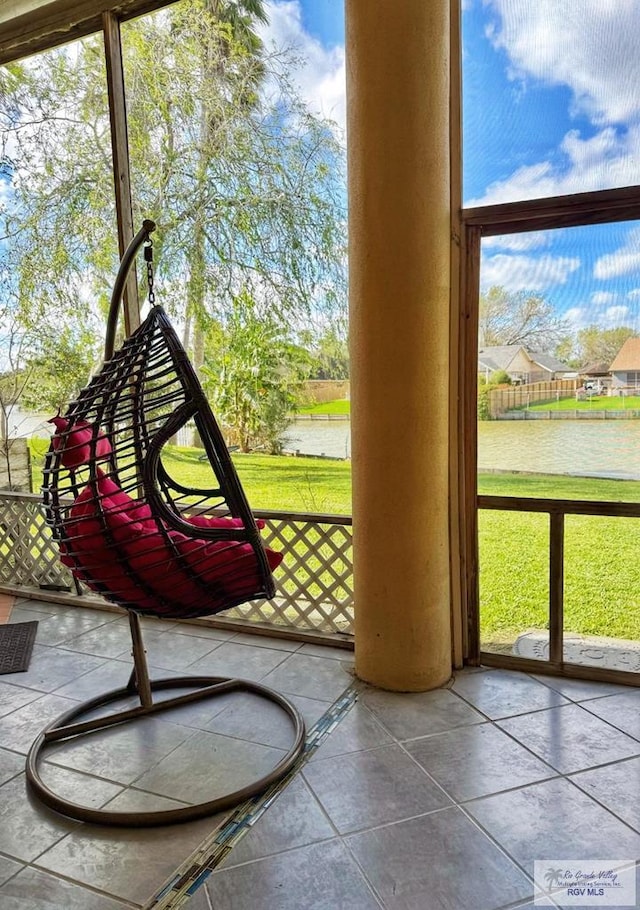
{"points": [[586, 650], [16, 645]]}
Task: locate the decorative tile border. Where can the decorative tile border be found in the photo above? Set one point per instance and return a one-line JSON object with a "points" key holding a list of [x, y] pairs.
{"points": [[195, 870]]}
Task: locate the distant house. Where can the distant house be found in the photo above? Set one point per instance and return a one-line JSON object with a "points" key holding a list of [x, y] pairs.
{"points": [[625, 368], [522, 365], [595, 377]]}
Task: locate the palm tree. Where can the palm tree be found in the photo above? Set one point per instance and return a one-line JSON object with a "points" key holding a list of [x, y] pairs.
{"points": [[241, 15]]}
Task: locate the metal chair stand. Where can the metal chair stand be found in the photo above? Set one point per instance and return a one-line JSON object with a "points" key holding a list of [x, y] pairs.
{"points": [[68, 726]]}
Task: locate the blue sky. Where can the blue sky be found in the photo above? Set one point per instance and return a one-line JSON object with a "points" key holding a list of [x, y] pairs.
{"points": [[551, 106], [324, 20]]}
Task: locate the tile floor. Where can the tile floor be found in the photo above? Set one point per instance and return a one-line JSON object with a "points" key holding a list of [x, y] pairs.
{"points": [[437, 801]]}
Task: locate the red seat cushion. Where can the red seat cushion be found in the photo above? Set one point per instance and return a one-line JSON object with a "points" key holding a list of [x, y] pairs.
{"points": [[74, 442], [116, 546]]}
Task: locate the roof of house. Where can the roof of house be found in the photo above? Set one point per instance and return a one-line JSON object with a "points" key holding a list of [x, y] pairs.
{"points": [[628, 357], [595, 368], [487, 363], [548, 362], [499, 357]]}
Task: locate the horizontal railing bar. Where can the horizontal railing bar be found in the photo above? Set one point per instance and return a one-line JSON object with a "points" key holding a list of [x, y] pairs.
{"points": [[603, 508], [565, 668], [318, 517], [594, 207]]}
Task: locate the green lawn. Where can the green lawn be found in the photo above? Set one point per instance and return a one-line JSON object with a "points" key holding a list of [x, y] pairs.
{"points": [[602, 589], [295, 484], [597, 403], [602, 581], [270, 482], [342, 406]]}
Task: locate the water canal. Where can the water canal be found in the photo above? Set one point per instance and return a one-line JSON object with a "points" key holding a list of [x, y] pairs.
{"points": [[600, 448]]}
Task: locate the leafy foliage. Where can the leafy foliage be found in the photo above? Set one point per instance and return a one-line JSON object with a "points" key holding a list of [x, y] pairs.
{"points": [[245, 184], [254, 375], [500, 377], [597, 345], [330, 350], [60, 368]]}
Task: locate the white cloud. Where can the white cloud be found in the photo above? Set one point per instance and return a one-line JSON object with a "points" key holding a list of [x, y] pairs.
{"points": [[320, 74], [518, 243], [577, 317], [633, 294], [591, 46], [519, 273], [614, 264], [608, 159], [581, 317], [599, 298], [623, 261], [616, 315]]}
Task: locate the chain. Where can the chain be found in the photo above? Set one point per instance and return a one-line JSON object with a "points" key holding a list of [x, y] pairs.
{"points": [[148, 258]]}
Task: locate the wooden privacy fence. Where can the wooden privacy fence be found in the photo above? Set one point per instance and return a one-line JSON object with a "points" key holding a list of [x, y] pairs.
{"points": [[501, 400], [314, 583]]}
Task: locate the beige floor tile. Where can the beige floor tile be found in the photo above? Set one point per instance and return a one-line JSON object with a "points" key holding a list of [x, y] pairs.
{"points": [[131, 864], [34, 889], [438, 861], [363, 789], [319, 877]]}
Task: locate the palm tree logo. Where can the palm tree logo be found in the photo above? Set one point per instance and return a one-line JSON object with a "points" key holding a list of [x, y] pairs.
{"points": [[553, 877]]}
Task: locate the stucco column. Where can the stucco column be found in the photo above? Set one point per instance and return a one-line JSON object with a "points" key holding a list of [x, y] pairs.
{"points": [[399, 235]]}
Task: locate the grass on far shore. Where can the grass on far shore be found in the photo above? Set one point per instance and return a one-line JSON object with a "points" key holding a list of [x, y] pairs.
{"points": [[602, 594], [342, 406], [596, 403]]}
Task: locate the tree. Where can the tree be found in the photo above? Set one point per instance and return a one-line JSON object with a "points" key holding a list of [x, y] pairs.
{"points": [[246, 186], [565, 351], [15, 343], [500, 377], [329, 348], [254, 376], [59, 367], [519, 317], [597, 345]]}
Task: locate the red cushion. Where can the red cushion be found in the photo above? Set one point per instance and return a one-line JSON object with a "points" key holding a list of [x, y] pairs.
{"points": [[73, 441], [115, 545]]}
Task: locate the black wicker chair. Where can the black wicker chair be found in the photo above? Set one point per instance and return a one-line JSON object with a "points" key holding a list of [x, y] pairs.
{"points": [[146, 542]]}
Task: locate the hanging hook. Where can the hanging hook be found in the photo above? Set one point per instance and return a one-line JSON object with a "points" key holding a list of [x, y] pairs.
{"points": [[148, 258], [147, 228]]}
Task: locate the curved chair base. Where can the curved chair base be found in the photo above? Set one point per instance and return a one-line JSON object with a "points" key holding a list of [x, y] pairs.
{"points": [[64, 728]]}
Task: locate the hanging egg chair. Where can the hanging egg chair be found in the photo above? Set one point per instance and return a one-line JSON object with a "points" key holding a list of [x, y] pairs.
{"points": [[145, 541]]}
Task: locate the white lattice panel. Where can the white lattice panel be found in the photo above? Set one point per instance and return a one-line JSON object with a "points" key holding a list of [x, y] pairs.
{"points": [[314, 583]]}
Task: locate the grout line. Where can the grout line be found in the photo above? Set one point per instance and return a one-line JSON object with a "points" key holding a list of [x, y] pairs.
{"points": [[569, 779], [80, 884], [197, 868]]}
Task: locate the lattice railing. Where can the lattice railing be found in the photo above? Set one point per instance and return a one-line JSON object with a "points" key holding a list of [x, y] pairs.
{"points": [[314, 583]]}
